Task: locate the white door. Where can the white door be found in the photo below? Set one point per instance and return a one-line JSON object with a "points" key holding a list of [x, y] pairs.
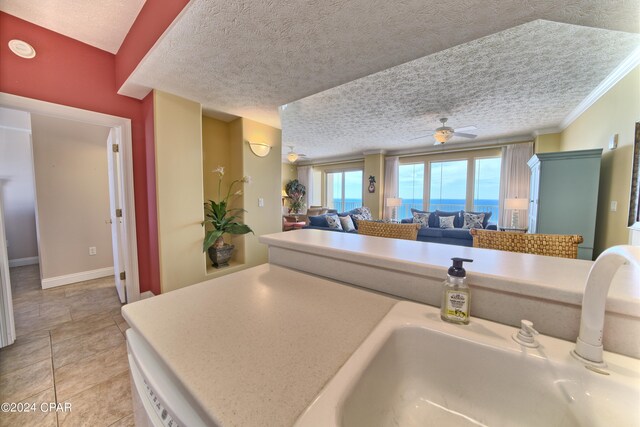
{"points": [[7, 325], [116, 206]]}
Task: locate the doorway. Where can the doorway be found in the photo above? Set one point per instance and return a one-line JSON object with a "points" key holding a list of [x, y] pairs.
{"points": [[122, 214]]}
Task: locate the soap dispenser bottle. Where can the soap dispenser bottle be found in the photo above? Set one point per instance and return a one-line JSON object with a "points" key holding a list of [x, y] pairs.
{"points": [[456, 299]]}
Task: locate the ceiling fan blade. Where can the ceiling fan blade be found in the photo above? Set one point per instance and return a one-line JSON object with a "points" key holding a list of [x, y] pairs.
{"points": [[430, 133], [464, 135], [465, 128], [302, 155]]}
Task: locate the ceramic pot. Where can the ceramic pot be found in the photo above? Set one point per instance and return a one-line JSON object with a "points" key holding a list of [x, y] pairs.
{"points": [[220, 256]]}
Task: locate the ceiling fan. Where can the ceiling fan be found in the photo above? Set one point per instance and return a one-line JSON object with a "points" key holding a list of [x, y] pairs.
{"points": [[292, 156], [444, 133]]}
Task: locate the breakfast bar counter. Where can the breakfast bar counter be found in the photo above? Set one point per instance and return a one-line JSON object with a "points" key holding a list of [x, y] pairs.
{"points": [[505, 286], [254, 348]]}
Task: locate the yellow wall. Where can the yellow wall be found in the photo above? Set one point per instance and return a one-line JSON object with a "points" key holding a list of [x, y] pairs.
{"points": [[289, 172], [266, 173], [615, 112], [374, 165], [215, 152], [548, 143], [179, 189]]}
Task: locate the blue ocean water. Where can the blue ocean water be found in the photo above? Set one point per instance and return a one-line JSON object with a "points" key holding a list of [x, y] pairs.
{"points": [[404, 211]]}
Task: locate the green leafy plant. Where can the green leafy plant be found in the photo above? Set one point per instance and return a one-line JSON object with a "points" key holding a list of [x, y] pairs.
{"points": [[296, 191], [218, 215]]}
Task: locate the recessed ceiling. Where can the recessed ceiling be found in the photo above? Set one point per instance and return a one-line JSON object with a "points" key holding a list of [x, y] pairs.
{"points": [[99, 23], [524, 79], [247, 57]]}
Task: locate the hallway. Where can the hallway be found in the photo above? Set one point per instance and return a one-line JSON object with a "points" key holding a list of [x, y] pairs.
{"points": [[70, 348]]}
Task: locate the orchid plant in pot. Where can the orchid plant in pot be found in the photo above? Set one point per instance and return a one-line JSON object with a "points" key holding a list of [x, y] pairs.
{"points": [[221, 219]]}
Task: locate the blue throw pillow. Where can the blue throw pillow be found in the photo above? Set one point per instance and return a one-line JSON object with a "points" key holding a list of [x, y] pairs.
{"points": [[487, 215], [458, 221], [319, 221]]}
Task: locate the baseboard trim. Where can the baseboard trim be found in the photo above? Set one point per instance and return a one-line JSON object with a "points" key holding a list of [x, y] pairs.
{"points": [[19, 262], [147, 294], [67, 279]]}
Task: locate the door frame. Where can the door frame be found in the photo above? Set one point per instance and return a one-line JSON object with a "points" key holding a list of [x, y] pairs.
{"points": [[7, 324], [123, 131]]}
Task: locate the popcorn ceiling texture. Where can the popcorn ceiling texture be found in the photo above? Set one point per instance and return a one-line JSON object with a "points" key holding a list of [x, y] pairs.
{"points": [[99, 23], [511, 83], [248, 57]]}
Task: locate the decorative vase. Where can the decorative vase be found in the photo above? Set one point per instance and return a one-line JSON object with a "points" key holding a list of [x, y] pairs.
{"points": [[220, 256]]}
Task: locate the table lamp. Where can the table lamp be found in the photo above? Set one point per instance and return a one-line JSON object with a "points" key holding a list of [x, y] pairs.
{"points": [[516, 205], [393, 203]]}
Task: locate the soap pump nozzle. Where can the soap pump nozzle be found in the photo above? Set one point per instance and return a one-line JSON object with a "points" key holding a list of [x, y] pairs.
{"points": [[456, 269]]}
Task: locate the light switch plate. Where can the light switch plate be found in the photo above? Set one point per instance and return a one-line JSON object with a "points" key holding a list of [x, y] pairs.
{"points": [[92, 250], [260, 202], [614, 205], [613, 142]]}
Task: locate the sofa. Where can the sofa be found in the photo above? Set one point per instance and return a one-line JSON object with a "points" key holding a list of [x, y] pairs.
{"points": [[320, 222], [458, 235]]}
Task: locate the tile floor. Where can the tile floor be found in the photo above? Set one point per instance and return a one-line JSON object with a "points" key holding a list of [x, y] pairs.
{"points": [[70, 347]]}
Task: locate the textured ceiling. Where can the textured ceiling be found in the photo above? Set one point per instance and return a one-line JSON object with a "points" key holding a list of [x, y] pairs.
{"points": [[247, 57], [507, 84], [100, 23]]}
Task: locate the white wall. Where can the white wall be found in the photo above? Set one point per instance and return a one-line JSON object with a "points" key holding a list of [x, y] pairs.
{"points": [[16, 170], [72, 191]]}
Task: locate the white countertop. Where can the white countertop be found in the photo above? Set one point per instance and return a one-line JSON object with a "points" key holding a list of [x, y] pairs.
{"points": [[257, 346], [537, 276]]}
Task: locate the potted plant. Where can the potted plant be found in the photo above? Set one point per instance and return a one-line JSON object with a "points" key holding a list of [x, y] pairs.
{"points": [[296, 191], [223, 220]]}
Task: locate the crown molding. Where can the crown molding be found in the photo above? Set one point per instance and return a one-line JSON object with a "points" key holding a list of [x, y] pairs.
{"points": [[370, 152], [546, 131], [614, 77]]}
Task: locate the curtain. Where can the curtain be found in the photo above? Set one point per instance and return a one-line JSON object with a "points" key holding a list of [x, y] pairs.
{"points": [[514, 179], [391, 165], [305, 177]]}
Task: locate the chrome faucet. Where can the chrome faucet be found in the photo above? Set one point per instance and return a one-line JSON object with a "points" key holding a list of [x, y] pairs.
{"points": [[589, 343]]}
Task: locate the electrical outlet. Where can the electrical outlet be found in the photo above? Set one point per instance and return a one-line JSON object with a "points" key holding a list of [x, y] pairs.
{"points": [[260, 202], [92, 250], [614, 205]]}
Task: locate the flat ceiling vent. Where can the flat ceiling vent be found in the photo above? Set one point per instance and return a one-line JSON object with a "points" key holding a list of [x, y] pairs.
{"points": [[22, 49]]}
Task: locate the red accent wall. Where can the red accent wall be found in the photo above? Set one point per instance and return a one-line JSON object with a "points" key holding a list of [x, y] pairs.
{"points": [[152, 21], [68, 72]]}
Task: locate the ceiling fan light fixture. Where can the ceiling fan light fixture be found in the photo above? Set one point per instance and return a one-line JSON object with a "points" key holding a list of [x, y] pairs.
{"points": [[292, 157], [443, 136]]}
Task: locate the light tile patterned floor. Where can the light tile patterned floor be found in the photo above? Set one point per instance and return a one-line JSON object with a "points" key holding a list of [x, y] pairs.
{"points": [[70, 347]]}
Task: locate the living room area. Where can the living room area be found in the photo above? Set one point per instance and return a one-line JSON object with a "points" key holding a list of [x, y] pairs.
{"points": [[553, 165]]}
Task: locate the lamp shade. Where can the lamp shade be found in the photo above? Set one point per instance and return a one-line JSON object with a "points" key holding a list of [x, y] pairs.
{"points": [[519, 204], [394, 202], [284, 193]]}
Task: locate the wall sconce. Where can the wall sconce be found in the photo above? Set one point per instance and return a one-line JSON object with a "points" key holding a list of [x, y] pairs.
{"points": [[260, 149]]}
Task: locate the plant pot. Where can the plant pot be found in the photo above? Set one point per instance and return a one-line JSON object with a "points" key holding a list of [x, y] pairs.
{"points": [[220, 256]]}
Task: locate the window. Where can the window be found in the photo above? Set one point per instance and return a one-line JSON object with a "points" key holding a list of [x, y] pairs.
{"points": [[448, 185], [410, 188], [344, 190], [486, 189]]}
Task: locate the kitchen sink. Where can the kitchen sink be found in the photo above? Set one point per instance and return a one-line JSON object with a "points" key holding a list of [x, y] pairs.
{"points": [[416, 370]]}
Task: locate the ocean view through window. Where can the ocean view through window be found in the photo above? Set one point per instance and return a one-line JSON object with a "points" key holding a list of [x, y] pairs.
{"points": [[451, 185], [486, 189], [344, 190], [410, 188]]}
